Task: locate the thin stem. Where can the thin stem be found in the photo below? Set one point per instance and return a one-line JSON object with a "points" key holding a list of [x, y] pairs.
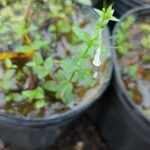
{"points": [[84, 54], [72, 76], [27, 17], [27, 14], [86, 51]]}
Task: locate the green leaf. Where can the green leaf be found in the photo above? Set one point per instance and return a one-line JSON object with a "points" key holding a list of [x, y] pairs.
{"points": [[81, 34], [32, 28], [131, 71], [109, 12], [39, 104], [38, 59], [60, 75], [31, 64], [28, 95], [48, 63], [64, 91], [63, 26], [31, 95], [14, 97], [51, 86], [85, 76], [99, 12], [38, 44], [9, 64], [105, 16], [145, 42], [41, 72], [68, 98], [146, 57], [41, 68], [114, 19], [68, 66], [39, 93], [19, 28], [145, 27], [84, 2], [6, 83], [23, 48]]}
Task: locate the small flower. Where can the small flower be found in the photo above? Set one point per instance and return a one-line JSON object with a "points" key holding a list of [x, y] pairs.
{"points": [[97, 58]]}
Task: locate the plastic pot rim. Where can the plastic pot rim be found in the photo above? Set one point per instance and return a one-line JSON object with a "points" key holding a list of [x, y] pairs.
{"points": [[142, 2], [132, 3]]}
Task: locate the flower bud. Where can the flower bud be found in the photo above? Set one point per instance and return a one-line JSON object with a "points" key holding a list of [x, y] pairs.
{"points": [[97, 58]]}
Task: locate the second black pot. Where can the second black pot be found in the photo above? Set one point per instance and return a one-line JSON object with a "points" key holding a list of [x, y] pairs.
{"points": [[122, 6], [121, 123]]}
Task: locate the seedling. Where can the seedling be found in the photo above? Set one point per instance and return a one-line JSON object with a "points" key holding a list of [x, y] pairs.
{"points": [[45, 72], [123, 46]]}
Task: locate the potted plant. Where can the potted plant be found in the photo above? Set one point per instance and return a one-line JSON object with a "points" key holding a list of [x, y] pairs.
{"points": [[126, 122], [51, 68], [132, 55]]}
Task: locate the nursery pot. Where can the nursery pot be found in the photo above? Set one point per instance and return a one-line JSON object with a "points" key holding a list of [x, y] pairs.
{"points": [[121, 123], [40, 133], [122, 6]]}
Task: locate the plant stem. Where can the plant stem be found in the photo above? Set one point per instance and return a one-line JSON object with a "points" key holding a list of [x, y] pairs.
{"points": [[84, 54], [86, 51], [73, 74], [27, 17], [27, 14]]}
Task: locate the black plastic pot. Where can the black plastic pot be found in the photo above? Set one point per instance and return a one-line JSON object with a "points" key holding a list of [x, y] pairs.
{"points": [[121, 123], [39, 134], [122, 6]]}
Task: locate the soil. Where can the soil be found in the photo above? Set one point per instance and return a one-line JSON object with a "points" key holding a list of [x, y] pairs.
{"points": [[85, 136]]}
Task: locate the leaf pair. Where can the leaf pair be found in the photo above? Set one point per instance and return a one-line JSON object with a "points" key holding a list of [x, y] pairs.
{"points": [[40, 67], [36, 95], [63, 90]]}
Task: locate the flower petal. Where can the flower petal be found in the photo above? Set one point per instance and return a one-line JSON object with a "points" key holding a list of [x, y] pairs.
{"points": [[97, 59]]}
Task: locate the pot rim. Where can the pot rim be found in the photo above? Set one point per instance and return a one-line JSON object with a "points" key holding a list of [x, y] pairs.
{"points": [[119, 81], [23, 121], [142, 2]]}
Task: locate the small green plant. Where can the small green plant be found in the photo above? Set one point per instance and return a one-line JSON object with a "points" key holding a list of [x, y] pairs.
{"points": [[85, 2], [145, 42], [52, 74], [131, 71], [146, 57], [123, 46], [145, 27]]}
